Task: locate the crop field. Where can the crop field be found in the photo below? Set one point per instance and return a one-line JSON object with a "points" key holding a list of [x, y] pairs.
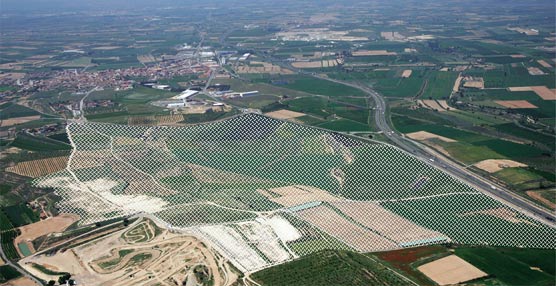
{"points": [[248, 192], [330, 268], [37, 168]]}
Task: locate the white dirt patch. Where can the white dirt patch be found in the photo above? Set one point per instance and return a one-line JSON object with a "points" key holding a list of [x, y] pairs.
{"points": [[406, 73], [230, 243], [495, 165], [424, 135], [131, 203], [283, 228], [451, 270], [264, 239]]}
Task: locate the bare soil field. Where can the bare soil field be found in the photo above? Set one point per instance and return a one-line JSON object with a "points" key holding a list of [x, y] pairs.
{"points": [[535, 71], [386, 223], [424, 135], [535, 195], [362, 53], [284, 114], [495, 165], [518, 56], [451, 270], [439, 105], [406, 73], [18, 120], [307, 65], [53, 224], [544, 63], [515, 104], [296, 195], [334, 224], [21, 281], [145, 59], [38, 168], [542, 91], [478, 83]]}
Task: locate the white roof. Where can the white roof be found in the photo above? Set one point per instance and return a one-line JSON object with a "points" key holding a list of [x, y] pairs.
{"points": [[186, 94]]}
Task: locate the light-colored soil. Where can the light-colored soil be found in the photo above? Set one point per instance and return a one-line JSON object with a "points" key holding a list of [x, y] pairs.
{"points": [[18, 120], [451, 270], [38, 168], [334, 224], [145, 59], [438, 105], [495, 165], [424, 135], [362, 53], [172, 254], [542, 91], [513, 104], [535, 195], [284, 114], [457, 84], [53, 224], [478, 83], [387, 223], [21, 281], [535, 71], [544, 63], [518, 56], [406, 73]]}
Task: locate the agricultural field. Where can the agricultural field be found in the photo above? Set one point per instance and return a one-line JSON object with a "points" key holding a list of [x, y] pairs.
{"points": [[249, 203], [330, 267]]}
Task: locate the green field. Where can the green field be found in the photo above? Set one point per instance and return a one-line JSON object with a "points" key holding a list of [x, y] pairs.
{"points": [[7, 273], [512, 266], [20, 214], [322, 87], [11, 110], [327, 267], [36, 143]]}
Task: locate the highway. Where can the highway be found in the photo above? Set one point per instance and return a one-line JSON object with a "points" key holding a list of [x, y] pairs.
{"points": [[436, 159]]}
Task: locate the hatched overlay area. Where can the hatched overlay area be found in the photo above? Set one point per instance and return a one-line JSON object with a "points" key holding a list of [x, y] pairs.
{"points": [[263, 191]]}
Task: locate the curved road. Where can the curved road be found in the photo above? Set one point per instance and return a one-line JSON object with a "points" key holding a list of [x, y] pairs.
{"points": [[441, 162], [18, 268]]}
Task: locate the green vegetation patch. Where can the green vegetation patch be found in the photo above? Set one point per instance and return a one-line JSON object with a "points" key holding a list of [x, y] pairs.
{"points": [[11, 110], [513, 266], [330, 268], [8, 273], [35, 143]]}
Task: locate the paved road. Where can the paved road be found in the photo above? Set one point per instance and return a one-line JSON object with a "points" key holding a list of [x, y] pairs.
{"points": [[436, 159], [18, 268], [440, 161], [82, 101]]}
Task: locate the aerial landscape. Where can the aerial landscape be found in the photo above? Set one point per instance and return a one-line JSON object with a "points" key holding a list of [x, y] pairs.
{"points": [[280, 143]]}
